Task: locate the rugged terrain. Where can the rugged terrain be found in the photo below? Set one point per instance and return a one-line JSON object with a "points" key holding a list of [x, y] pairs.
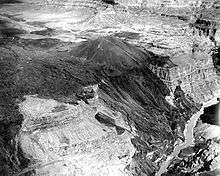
{"points": [[84, 103], [103, 87]]}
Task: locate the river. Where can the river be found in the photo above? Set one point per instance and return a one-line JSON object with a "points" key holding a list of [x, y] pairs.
{"points": [[189, 138]]}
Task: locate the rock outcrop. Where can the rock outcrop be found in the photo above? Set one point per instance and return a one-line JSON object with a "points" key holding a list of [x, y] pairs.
{"points": [[195, 160]]}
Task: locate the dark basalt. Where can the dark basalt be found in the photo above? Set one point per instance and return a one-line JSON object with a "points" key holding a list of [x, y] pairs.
{"points": [[127, 35], [6, 31], [46, 32], [108, 121], [104, 119], [45, 43], [5, 2], [125, 82], [12, 159]]}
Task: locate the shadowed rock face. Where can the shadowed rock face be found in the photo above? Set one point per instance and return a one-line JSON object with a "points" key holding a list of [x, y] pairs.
{"points": [[216, 59], [112, 2], [2, 2], [211, 115]]}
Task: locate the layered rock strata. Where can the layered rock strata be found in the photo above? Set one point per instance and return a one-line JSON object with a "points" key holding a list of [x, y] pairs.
{"points": [[84, 112]]}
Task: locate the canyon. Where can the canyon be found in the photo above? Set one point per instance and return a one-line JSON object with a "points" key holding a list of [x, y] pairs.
{"points": [[106, 88]]}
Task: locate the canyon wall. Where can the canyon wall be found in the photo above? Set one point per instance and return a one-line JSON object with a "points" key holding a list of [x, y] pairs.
{"points": [[91, 105], [81, 114]]}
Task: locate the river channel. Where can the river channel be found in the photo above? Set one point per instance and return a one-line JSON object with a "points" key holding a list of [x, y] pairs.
{"points": [[189, 138]]}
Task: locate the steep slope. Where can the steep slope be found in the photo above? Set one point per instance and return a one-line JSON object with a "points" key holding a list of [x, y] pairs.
{"points": [[97, 93]]}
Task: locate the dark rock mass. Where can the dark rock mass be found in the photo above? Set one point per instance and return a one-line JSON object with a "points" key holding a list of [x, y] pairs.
{"points": [[126, 85], [211, 115], [112, 2], [216, 58]]}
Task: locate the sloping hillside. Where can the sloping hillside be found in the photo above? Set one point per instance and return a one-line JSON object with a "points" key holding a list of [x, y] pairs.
{"points": [[102, 88]]}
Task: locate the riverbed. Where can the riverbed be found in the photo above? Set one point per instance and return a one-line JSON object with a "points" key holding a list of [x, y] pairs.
{"points": [[188, 134]]}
